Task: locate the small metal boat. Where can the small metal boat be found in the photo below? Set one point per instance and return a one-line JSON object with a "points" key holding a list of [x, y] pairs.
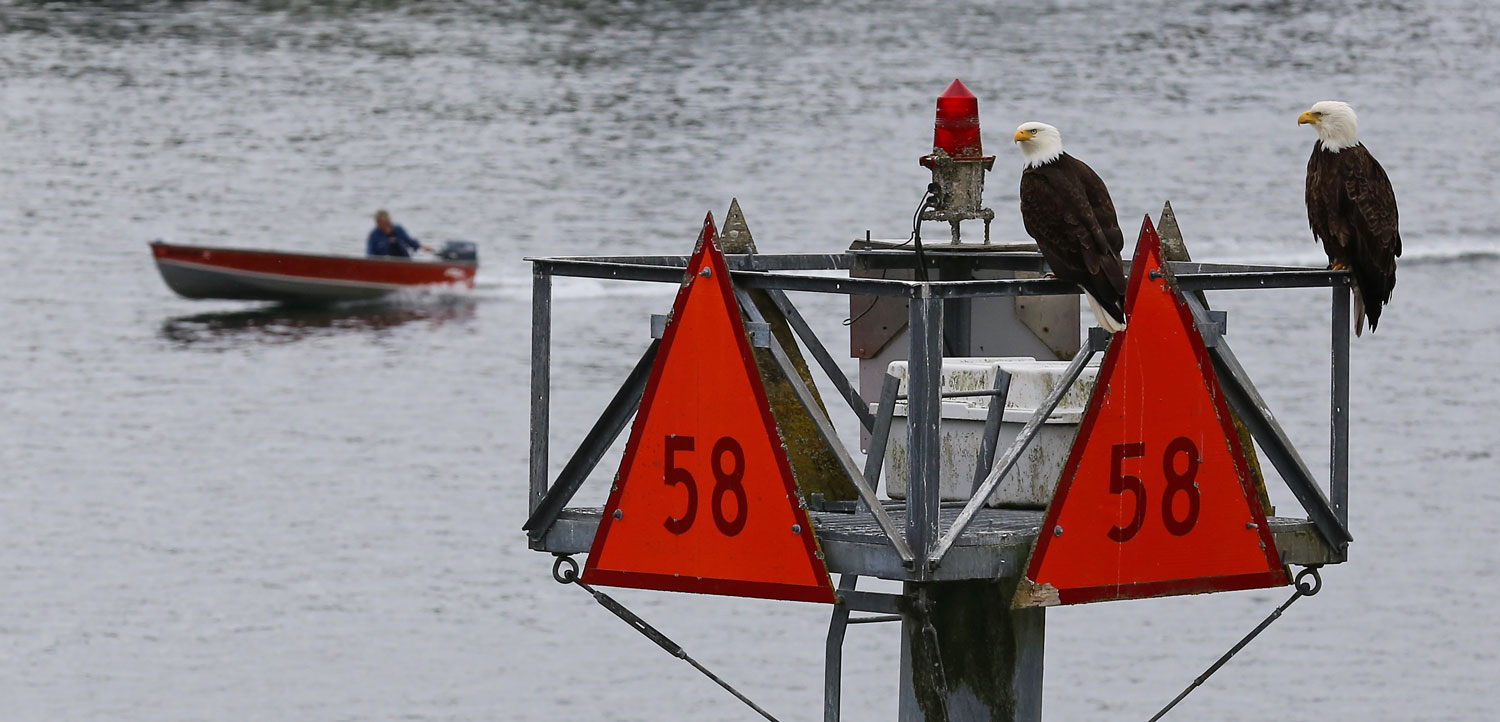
{"points": [[240, 274]]}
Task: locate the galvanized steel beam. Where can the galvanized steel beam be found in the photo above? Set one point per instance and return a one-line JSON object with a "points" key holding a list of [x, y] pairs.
{"points": [[588, 268], [923, 419], [541, 382], [1230, 281], [1338, 413], [1225, 280], [735, 261]]}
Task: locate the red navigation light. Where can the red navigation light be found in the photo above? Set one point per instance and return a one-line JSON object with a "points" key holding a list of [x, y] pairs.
{"points": [[957, 128]]}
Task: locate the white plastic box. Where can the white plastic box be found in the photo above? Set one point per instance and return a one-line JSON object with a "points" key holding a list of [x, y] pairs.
{"points": [[1035, 477]]}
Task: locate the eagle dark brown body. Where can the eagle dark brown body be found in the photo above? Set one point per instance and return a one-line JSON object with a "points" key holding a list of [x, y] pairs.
{"points": [[1351, 208], [1067, 209]]}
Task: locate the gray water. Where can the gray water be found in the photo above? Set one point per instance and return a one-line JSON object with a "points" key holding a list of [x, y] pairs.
{"points": [[213, 511]]}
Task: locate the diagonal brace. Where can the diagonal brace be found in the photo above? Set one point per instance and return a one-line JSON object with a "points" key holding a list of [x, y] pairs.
{"points": [[1256, 414], [881, 433], [829, 436], [604, 432], [833, 653], [824, 358], [992, 421], [1013, 454]]}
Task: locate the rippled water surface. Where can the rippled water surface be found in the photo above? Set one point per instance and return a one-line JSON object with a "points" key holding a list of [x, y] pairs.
{"points": [[220, 511]]}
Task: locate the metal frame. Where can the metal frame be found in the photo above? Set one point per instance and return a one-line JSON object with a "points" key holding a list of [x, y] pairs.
{"points": [[923, 539]]}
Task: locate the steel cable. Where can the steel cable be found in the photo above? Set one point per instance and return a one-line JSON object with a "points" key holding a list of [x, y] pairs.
{"points": [[570, 576], [1304, 589]]}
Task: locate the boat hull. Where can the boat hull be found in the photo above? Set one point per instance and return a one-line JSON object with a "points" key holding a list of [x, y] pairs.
{"points": [[238, 274]]}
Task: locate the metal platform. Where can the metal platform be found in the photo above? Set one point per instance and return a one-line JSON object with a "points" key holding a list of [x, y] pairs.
{"points": [[990, 543], [993, 546], [965, 653]]}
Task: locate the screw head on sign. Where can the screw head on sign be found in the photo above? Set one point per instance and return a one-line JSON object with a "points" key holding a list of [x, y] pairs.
{"points": [[619, 514], [1251, 525], [796, 528], [706, 272], [1057, 530]]}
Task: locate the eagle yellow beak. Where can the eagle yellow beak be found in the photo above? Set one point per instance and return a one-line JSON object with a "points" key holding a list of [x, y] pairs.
{"points": [[1024, 134], [1307, 117]]}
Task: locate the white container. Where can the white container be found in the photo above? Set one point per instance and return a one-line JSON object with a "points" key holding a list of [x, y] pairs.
{"points": [[1035, 477]]}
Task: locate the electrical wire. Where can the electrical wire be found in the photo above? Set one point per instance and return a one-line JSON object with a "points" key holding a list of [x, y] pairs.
{"points": [[929, 198]]}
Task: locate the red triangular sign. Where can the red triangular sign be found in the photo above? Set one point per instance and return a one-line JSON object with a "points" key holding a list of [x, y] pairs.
{"points": [[705, 500], [1156, 498]]}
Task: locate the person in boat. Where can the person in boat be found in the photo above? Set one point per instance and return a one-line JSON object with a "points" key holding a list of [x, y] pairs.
{"points": [[389, 239]]}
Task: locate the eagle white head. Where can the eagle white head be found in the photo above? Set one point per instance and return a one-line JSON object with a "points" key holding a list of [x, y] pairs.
{"points": [[1040, 143], [1335, 122]]}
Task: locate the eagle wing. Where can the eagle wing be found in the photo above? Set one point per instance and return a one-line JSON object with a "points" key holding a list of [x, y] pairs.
{"points": [[1369, 189], [1056, 211], [1351, 208], [1050, 210], [1104, 208]]}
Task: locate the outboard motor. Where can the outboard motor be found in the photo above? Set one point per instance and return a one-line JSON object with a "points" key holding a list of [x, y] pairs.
{"points": [[459, 251]]}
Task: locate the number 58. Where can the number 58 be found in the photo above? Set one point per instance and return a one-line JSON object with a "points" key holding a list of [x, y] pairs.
{"points": [[727, 482], [1177, 483]]}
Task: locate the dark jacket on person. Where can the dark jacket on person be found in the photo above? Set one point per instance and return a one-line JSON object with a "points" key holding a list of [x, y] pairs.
{"points": [[395, 243]]}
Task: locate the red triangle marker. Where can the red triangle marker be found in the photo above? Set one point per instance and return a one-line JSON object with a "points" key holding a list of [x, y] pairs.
{"points": [[1156, 498], [705, 500]]}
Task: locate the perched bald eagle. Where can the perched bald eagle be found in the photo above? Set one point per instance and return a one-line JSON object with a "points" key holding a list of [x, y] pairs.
{"points": [[1068, 212], [1352, 208]]}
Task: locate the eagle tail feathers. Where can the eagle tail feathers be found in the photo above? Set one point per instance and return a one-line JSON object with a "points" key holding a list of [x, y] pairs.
{"points": [[1106, 317], [1359, 313]]}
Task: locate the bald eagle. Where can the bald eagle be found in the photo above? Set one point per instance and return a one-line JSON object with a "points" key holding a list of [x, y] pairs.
{"points": [[1352, 208], [1067, 210]]}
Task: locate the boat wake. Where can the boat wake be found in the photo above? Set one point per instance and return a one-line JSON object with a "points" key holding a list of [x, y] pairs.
{"points": [[282, 324], [1414, 252], [518, 288]]}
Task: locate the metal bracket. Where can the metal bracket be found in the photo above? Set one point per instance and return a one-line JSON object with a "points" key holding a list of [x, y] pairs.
{"points": [[759, 333], [1213, 328]]}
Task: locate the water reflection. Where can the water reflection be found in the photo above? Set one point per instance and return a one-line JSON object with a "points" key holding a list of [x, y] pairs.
{"points": [[280, 324]]}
